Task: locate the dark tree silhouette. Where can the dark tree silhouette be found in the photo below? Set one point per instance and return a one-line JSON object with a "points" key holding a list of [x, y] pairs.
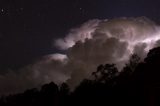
{"points": [[105, 72], [133, 62], [49, 94], [138, 84], [64, 95]]}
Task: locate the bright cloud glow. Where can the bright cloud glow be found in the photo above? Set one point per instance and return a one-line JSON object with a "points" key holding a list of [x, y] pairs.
{"points": [[87, 46]]}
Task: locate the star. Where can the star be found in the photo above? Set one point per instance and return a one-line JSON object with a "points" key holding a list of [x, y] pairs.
{"points": [[2, 10], [82, 10], [21, 9]]}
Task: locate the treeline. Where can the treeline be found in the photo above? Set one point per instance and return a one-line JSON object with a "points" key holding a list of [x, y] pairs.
{"points": [[138, 84]]}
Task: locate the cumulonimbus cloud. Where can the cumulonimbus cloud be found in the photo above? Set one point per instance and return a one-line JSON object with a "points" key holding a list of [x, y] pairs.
{"points": [[94, 42], [109, 41]]}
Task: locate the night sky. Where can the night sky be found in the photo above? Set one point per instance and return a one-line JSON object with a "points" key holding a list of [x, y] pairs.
{"points": [[28, 27]]}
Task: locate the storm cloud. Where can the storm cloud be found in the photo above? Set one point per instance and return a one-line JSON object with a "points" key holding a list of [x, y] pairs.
{"points": [[93, 43]]}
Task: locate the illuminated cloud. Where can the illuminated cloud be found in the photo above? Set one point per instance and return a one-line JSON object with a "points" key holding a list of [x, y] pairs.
{"points": [[77, 34], [49, 68], [107, 41], [87, 46]]}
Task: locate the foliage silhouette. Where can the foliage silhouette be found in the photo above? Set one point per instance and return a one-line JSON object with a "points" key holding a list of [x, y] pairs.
{"points": [[105, 72], [137, 84]]}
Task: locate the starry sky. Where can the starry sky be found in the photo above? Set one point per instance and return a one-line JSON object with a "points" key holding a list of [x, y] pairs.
{"points": [[29, 27]]}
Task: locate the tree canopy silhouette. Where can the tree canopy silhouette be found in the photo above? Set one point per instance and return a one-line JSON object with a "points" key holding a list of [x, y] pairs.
{"points": [[137, 84]]}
